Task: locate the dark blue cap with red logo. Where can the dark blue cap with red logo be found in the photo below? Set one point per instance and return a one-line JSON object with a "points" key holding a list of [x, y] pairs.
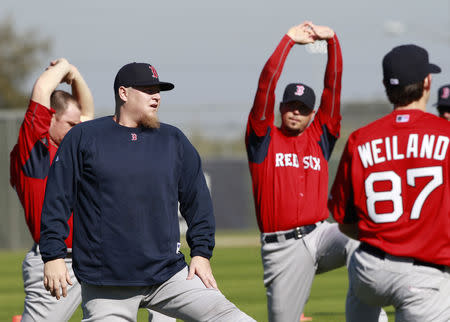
{"points": [[300, 93], [406, 65], [444, 96], [139, 74]]}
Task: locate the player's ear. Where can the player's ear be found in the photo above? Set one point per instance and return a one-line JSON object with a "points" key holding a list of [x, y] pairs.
{"points": [[427, 82], [123, 93]]}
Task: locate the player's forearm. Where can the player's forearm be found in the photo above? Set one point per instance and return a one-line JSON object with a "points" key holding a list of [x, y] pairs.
{"points": [[331, 96], [201, 227], [48, 81], [333, 71], [263, 106], [83, 95]]}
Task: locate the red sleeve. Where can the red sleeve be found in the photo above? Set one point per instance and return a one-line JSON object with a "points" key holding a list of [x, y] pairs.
{"points": [[329, 112], [27, 171], [340, 201], [262, 113], [35, 127]]}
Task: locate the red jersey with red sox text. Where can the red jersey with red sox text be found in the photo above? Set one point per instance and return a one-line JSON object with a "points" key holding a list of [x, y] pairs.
{"points": [[290, 174], [30, 162], [394, 180]]}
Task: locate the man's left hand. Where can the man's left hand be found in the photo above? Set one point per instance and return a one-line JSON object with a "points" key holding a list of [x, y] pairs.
{"points": [[201, 267]]}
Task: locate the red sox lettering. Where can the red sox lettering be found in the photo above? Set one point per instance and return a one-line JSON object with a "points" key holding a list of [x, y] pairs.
{"points": [[291, 160]]}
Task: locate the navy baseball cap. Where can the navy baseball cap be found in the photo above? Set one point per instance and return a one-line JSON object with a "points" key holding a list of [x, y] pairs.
{"points": [[139, 74], [300, 93], [407, 64], [444, 96]]}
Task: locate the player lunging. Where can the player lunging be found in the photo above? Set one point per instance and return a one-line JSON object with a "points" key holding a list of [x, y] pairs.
{"points": [[289, 173], [392, 192], [123, 176]]}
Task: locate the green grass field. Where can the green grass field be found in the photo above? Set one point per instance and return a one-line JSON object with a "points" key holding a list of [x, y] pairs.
{"points": [[238, 270]]}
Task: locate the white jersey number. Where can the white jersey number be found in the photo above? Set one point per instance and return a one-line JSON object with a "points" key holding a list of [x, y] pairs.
{"points": [[395, 194]]}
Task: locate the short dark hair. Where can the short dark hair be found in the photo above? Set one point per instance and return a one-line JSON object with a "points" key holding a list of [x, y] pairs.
{"points": [[404, 95], [59, 101]]}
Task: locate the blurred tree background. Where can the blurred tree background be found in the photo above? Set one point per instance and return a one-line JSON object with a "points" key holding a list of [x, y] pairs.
{"points": [[20, 54]]}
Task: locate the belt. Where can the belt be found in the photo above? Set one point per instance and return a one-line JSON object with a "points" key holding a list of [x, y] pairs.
{"points": [[381, 254], [296, 233]]}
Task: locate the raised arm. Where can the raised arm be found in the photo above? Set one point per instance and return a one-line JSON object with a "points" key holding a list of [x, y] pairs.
{"points": [[330, 104], [58, 72], [61, 71], [262, 113], [83, 95]]}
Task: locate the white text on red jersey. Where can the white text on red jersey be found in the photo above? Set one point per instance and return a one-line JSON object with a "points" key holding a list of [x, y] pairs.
{"points": [[291, 160], [387, 149]]}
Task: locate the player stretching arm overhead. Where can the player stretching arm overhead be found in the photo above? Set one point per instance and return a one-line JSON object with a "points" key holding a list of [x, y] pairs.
{"points": [[48, 118], [392, 192], [289, 173]]}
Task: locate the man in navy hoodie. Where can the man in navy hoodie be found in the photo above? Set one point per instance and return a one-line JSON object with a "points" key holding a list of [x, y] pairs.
{"points": [[123, 176]]}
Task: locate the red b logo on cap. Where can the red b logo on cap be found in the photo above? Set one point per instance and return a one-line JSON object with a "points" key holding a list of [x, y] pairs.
{"points": [[445, 93], [154, 73], [300, 90]]}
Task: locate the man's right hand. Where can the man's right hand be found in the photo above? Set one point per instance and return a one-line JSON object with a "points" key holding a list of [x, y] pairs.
{"points": [[56, 277], [302, 33]]}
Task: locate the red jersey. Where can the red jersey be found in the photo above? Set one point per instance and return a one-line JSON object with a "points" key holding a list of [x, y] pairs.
{"points": [[290, 174], [394, 180], [30, 162]]}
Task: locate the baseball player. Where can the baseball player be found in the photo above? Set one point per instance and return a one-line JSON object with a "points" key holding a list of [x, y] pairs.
{"points": [[48, 118], [392, 193], [289, 173], [122, 176], [443, 103]]}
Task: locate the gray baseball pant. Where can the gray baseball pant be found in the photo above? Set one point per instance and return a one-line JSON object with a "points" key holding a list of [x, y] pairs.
{"points": [[188, 300], [290, 266], [418, 293], [40, 305]]}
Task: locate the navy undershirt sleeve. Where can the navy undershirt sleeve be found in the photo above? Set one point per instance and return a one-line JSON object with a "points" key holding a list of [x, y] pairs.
{"points": [[195, 203], [60, 195]]}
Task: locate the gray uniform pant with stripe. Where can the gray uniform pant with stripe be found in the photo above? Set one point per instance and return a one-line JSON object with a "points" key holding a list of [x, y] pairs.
{"points": [[188, 300], [290, 266], [40, 305], [418, 293]]}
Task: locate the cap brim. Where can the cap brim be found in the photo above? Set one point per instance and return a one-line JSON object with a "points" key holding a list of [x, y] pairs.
{"points": [[164, 86], [297, 100], [434, 69]]}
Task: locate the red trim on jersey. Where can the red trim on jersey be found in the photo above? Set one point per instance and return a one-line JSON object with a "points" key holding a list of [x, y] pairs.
{"points": [[290, 174], [394, 181], [30, 161]]}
